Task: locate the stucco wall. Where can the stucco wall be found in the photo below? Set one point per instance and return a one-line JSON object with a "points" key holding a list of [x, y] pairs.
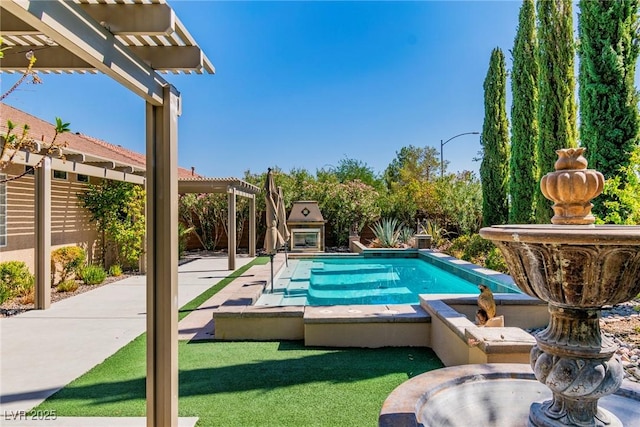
{"points": [[70, 222]]}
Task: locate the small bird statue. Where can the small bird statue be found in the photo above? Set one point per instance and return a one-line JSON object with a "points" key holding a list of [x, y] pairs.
{"points": [[487, 305]]}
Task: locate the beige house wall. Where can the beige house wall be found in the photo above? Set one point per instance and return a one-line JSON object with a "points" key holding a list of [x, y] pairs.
{"points": [[70, 222]]}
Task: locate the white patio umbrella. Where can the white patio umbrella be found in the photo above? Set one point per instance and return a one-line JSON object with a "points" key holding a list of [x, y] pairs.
{"points": [[273, 239]]}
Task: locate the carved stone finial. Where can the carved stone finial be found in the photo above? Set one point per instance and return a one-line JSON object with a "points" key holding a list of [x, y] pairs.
{"points": [[572, 187]]}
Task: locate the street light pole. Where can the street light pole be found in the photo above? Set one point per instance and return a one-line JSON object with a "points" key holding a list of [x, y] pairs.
{"points": [[442, 144]]}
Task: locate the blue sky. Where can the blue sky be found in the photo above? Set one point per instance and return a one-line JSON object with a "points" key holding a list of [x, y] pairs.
{"points": [[319, 81]]}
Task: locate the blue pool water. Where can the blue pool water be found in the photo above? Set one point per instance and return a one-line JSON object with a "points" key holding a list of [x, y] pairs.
{"points": [[360, 280]]}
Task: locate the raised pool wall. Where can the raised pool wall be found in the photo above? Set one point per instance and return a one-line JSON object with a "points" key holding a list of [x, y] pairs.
{"points": [[443, 323]]}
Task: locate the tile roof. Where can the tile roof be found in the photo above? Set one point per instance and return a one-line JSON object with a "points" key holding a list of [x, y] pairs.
{"points": [[41, 130]]}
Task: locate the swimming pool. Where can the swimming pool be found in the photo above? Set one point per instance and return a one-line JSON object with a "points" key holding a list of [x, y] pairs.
{"points": [[358, 280]]}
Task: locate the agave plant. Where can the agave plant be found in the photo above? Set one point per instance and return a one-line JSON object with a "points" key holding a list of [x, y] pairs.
{"points": [[406, 235], [438, 234], [387, 232]]}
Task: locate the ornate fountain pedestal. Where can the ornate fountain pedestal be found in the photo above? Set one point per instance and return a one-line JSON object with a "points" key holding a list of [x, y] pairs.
{"points": [[577, 268]]}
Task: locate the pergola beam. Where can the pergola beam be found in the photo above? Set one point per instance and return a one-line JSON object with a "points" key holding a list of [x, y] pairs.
{"points": [[32, 159], [142, 19], [58, 58], [102, 164], [121, 19], [73, 29]]}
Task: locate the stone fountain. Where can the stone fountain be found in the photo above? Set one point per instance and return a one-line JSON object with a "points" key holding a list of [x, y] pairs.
{"points": [[577, 268]]}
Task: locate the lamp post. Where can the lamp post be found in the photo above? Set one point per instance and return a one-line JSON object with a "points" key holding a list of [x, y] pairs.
{"points": [[442, 144]]}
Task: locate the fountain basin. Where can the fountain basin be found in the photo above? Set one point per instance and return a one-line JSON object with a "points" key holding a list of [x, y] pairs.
{"points": [[491, 395]]}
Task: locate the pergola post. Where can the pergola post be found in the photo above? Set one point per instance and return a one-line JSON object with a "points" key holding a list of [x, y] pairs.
{"points": [[252, 226], [231, 234], [162, 260], [43, 235]]}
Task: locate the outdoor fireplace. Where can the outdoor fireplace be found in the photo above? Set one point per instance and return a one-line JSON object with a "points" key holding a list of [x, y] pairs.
{"points": [[306, 226]]}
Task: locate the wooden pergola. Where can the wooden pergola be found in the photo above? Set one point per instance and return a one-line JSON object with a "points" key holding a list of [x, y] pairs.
{"points": [[233, 187], [131, 41]]}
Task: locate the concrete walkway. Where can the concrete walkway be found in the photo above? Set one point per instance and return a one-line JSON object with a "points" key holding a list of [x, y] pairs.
{"points": [[43, 350]]}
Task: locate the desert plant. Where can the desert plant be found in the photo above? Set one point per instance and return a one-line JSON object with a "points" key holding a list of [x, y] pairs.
{"points": [[15, 280], [387, 232], [115, 270], [66, 261], [438, 234], [93, 275], [406, 235], [67, 286]]}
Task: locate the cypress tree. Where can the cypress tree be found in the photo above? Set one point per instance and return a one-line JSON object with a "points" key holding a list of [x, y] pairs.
{"points": [[494, 170], [556, 86], [609, 122], [523, 176]]}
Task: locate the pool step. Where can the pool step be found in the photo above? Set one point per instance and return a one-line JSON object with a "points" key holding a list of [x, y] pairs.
{"points": [[355, 280], [330, 269], [399, 295]]}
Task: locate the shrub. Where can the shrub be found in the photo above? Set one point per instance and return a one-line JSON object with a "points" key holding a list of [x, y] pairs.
{"points": [[477, 250], [66, 261], [115, 270], [496, 261], [183, 238], [15, 280], [67, 286], [459, 245], [28, 298], [93, 275]]}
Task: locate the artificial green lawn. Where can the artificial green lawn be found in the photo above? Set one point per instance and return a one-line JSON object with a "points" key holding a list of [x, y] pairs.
{"points": [[252, 383]]}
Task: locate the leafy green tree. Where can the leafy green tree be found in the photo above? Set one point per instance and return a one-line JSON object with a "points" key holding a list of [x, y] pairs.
{"points": [[352, 204], [457, 203], [204, 213], [556, 86], [609, 123], [118, 209], [412, 162], [398, 203], [494, 170], [352, 170], [523, 175]]}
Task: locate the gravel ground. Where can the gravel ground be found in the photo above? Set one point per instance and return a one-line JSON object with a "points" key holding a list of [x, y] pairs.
{"points": [[622, 323]]}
